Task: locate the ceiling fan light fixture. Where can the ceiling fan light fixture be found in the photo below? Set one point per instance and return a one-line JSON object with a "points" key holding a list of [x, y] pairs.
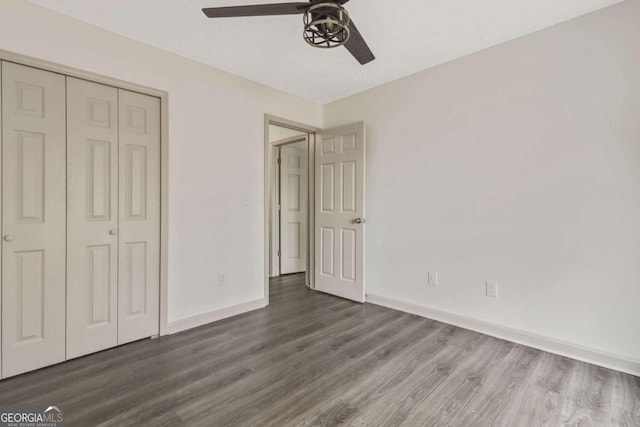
{"points": [[326, 25]]}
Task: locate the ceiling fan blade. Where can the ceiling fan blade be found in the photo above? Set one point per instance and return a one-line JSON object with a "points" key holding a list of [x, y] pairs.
{"points": [[358, 47], [256, 10]]}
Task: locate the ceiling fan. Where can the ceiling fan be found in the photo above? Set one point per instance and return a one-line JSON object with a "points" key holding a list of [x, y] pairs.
{"points": [[326, 23]]}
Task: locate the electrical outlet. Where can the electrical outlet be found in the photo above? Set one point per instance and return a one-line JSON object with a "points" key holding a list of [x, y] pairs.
{"points": [[433, 279], [221, 279], [492, 289]]}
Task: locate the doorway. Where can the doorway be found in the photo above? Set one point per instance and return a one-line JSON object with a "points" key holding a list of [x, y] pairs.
{"points": [[289, 161], [335, 206], [289, 200]]}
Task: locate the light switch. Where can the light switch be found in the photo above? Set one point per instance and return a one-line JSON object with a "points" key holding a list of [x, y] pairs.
{"points": [[492, 289]]}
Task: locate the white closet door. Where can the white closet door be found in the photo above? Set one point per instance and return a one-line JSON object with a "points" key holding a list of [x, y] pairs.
{"points": [[139, 236], [34, 219], [293, 208], [92, 217]]}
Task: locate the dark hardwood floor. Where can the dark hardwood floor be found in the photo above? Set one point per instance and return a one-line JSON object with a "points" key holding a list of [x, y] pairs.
{"points": [[313, 359]]}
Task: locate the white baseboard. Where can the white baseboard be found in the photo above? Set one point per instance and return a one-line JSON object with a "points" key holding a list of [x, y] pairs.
{"points": [[551, 345], [213, 316]]}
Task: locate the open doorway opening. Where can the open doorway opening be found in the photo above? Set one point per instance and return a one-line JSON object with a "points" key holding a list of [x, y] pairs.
{"points": [[290, 201], [335, 206]]}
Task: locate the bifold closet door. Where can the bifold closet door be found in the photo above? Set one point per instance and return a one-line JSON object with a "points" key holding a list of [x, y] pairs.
{"points": [[139, 220], [92, 217], [33, 218]]}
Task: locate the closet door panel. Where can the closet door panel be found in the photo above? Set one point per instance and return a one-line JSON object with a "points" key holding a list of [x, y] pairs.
{"points": [[139, 246], [92, 221], [33, 218]]}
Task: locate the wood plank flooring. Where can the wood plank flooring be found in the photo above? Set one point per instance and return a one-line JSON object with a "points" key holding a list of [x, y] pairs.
{"points": [[314, 359]]}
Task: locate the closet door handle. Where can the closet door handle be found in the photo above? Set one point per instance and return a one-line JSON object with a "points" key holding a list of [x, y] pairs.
{"points": [[8, 237], [113, 231]]}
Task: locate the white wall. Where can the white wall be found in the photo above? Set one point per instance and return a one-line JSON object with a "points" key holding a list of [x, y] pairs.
{"points": [[216, 137], [519, 164]]}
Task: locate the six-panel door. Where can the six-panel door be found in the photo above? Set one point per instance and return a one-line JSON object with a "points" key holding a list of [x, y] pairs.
{"points": [[293, 208], [339, 228], [33, 218]]}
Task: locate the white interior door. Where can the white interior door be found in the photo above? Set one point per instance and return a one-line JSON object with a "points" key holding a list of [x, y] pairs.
{"points": [[340, 210], [293, 208], [34, 218], [92, 221], [139, 219]]}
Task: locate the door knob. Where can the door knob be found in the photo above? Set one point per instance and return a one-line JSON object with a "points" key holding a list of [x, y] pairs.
{"points": [[113, 232], [8, 237], [359, 221]]}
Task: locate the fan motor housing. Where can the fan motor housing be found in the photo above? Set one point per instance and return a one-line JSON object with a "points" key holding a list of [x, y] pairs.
{"points": [[326, 25]]}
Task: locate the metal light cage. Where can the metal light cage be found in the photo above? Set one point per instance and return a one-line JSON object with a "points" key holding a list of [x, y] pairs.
{"points": [[326, 25]]}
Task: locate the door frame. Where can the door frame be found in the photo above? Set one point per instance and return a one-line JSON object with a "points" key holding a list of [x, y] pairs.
{"points": [[275, 195], [29, 61], [269, 184]]}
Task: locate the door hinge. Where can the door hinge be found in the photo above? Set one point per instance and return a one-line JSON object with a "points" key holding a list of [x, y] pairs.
{"points": [[279, 160], [278, 253], [279, 207]]}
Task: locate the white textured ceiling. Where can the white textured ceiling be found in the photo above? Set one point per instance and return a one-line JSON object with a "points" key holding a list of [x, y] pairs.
{"points": [[406, 36]]}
